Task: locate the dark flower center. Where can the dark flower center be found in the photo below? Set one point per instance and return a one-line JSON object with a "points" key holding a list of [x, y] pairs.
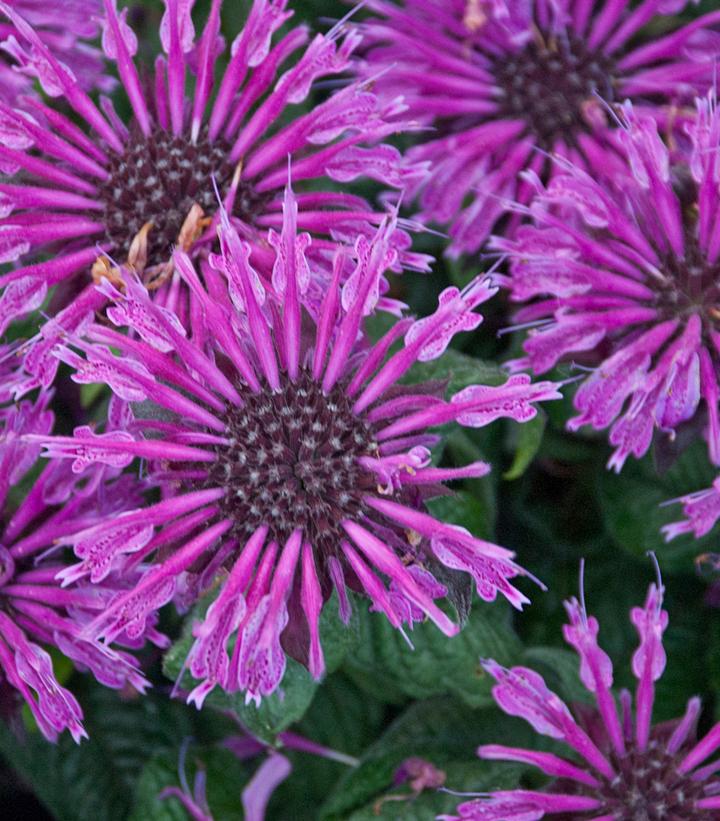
{"points": [[692, 283], [549, 85], [693, 286], [158, 179], [293, 463], [649, 787]]}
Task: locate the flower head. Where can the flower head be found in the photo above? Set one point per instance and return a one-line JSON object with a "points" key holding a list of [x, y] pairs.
{"points": [[499, 79], [625, 768], [108, 191], [625, 271], [64, 29], [292, 460], [35, 611]]}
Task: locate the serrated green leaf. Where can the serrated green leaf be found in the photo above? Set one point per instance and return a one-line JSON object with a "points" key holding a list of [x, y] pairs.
{"points": [[389, 669], [464, 449], [279, 710], [445, 733]]}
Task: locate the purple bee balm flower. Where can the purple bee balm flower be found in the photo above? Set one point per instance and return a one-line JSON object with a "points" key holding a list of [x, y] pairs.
{"points": [[624, 768], [292, 460], [65, 29], [625, 272], [499, 79], [105, 190], [35, 611]]}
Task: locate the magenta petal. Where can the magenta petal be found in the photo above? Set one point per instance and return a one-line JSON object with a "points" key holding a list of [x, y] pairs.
{"points": [[272, 772]]}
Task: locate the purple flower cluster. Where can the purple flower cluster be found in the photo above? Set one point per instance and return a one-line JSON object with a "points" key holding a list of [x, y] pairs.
{"points": [[65, 29], [623, 767], [624, 270], [290, 460], [237, 442], [35, 610], [110, 191], [505, 85], [282, 457]]}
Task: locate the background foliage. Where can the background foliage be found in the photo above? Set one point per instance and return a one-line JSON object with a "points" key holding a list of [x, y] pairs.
{"points": [[549, 497]]}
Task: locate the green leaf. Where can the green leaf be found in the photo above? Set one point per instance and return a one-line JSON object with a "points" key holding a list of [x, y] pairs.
{"points": [[687, 670], [397, 803], [461, 271], [560, 669], [96, 779], [459, 369], [89, 393], [443, 732], [464, 509], [386, 667], [158, 773], [712, 629], [479, 515], [291, 700], [528, 438], [634, 512], [378, 324], [342, 718]]}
